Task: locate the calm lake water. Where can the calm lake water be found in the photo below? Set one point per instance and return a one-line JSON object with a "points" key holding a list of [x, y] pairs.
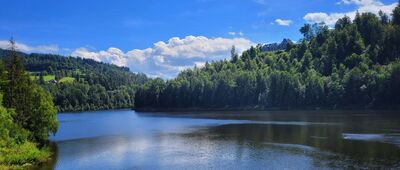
{"points": [[125, 139]]}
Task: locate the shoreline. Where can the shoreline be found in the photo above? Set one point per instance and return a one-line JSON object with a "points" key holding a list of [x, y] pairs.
{"points": [[241, 109], [88, 111], [48, 162]]}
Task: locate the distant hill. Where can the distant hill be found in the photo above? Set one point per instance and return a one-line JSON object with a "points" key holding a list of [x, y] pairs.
{"points": [[276, 46], [354, 65], [82, 84]]}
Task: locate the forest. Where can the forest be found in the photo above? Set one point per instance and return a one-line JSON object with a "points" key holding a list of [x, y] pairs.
{"points": [[78, 84], [355, 64], [27, 116]]}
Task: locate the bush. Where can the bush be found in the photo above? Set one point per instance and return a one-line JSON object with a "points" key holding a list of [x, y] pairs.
{"points": [[26, 153]]}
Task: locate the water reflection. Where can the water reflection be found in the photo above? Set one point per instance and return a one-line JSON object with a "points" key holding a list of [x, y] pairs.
{"points": [[324, 138], [274, 140]]}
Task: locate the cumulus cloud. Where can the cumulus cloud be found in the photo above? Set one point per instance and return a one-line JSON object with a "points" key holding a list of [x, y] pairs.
{"points": [[167, 59], [373, 6], [163, 59], [283, 22], [112, 55], [4, 44]]}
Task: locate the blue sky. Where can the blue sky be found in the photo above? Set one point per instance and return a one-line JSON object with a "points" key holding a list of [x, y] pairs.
{"points": [[140, 34]]}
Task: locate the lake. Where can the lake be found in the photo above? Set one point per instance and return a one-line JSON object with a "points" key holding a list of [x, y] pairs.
{"points": [[125, 139]]}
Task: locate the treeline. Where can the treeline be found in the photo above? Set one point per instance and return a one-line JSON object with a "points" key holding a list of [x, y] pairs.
{"points": [[27, 116], [78, 84], [354, 65]]}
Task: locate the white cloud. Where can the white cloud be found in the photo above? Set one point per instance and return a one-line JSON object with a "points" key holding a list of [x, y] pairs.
{"points": [[163, 59], [167, 59], [159, 59], [240, 33], [360, 2], [199, 64], [4, 44], [373, 6], [112, 55], [283, 22]]}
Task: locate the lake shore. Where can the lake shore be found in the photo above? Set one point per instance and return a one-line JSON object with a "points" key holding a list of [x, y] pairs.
{"points": [[27, 156], [257, 108]]}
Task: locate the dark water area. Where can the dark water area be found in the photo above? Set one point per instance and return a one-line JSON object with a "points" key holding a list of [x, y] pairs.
{"points": [[125, 139]]}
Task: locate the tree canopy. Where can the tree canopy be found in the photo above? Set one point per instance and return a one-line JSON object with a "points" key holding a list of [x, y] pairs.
{"points": [[27, 114], [33, 107], [78, 84], [354, 65]]}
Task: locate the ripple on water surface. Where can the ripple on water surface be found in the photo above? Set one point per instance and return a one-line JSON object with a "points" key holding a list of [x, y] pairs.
{"points": [[126, 140]]}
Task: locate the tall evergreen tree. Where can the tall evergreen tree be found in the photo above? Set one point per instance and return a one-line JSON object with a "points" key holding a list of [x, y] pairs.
{"points": [[15, 77], [396, 15], [34, 109]]}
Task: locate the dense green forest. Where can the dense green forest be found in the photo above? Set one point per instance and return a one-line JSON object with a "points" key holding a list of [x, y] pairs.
{"points": [[353, 65], [27, 116], [78, 84]]}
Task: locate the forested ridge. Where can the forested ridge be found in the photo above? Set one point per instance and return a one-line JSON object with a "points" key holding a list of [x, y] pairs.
{"points": [[353, 65], [78, 84]]}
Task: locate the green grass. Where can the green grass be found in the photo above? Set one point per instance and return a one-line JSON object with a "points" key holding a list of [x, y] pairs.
{"points": [[49, 77], [67, 80], [20, 156], [46, 78], [53, 77]]}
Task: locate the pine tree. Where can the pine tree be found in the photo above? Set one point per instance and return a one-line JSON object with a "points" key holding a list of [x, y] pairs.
{"points": [[234, 55], [15, 72], [396, 15], [34, 108]]}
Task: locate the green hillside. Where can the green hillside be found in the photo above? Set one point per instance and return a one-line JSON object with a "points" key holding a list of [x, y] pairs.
{"points": [[78, 84], [354, 65]]}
